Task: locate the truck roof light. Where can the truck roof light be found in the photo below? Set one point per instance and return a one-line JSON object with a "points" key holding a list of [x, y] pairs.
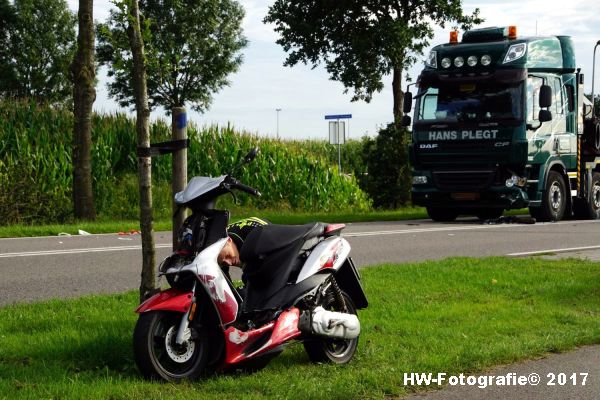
{"points": [[453, 36], [472, 61], [486, 60], [512, 32], [459, 62], [446, 62]]}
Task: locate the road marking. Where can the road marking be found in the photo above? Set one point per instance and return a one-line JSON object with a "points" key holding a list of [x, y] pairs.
{"points": [[565, 250], [420, 230], [456, 228], [347, 235], [77, 251]]}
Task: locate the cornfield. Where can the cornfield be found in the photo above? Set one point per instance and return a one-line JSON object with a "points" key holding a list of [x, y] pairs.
{"points": [[36, 168]]}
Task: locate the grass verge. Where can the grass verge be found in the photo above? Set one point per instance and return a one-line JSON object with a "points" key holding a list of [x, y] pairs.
{"points": [[275, 217], [456, 315]]}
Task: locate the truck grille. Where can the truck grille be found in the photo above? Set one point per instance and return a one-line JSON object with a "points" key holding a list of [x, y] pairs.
{"points": [[461, 153], [463, 180]]}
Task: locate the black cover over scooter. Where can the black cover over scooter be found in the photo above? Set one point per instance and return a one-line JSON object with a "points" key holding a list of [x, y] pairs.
{"points": [[271, 256]]}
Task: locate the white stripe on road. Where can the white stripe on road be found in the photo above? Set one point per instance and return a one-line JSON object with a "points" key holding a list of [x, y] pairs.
{"points": [[347, 235], [530, 253], [464, 228], [77, 251], [138, 247], [424, 230]]}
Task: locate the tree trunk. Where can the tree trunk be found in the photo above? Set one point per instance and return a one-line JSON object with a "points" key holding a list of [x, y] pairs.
{"points": [[84, 94], [398, 95], [148, 282]]}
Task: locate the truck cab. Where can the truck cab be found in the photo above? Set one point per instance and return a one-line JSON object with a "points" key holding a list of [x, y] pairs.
{"points": [[498, 124]]}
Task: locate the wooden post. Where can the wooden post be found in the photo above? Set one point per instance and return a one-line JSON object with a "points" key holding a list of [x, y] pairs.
{"points": [[179, 132]]}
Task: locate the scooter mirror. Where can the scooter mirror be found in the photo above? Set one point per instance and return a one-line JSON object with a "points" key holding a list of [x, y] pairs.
{"points": [[251, 155]]}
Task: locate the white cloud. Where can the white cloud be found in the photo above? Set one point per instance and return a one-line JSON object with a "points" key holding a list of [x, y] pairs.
{"points": [[306, 95], [254, 28]]}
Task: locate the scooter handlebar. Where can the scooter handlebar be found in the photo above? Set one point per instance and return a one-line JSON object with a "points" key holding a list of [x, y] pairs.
{"points": [[235, 184]]}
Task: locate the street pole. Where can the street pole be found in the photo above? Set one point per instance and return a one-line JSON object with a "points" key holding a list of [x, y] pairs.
{"points": [[278, 109], [593, 79], [339, 148], [179, 166]]}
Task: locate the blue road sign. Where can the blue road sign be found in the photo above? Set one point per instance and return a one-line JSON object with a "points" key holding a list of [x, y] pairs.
{"points": [[340, 116]]}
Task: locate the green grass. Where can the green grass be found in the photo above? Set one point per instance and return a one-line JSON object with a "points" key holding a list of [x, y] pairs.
{"points": [[283, 217], [457, 315]]}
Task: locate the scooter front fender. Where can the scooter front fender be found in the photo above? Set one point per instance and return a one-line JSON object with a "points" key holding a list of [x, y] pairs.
{"points": [[169, 300]]}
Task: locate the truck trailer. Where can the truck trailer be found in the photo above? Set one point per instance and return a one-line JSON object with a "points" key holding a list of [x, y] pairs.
{"points": [[501, 122]]}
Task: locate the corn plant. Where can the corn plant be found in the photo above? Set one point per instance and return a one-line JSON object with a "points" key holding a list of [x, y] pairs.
{"points": [[36, 169]]}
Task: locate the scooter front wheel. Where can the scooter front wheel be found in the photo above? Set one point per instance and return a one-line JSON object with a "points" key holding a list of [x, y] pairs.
{"points": [[157, 354]]}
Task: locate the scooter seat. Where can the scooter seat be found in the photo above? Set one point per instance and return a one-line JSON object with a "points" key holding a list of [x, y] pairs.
{"points": [[270, 238]]}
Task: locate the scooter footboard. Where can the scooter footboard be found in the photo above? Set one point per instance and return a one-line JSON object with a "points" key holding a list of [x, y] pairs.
{"points": [[169, 300], [348, 279], [242, 346]]}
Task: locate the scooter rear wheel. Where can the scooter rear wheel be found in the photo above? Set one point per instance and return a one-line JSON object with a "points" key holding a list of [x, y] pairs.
{"points": [[336, 351], [157, 354]]}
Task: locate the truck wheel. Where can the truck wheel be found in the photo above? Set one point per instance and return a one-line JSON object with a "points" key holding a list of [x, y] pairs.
{"points": [[440, 214], [489, 213], [591, 135], [554, 199], [589, 209]]}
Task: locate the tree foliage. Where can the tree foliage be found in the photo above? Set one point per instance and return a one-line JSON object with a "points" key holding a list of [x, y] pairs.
{"points": [[7, 21], [191, 46], [360, 42], [37, 39], [388, 181]]}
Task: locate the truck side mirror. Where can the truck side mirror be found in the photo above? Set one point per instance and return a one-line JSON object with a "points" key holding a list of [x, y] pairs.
{"points": [[545, 96], [571, 97], [587, 111], [545, 116], [405, 120], [407, 104]]}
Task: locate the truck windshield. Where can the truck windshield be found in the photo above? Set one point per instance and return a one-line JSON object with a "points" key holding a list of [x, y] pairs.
{"points": [[459, 102]]}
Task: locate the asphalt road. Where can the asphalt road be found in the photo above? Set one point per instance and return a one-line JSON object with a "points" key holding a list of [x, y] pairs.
{"points": [[34, 269], [69, 266]]}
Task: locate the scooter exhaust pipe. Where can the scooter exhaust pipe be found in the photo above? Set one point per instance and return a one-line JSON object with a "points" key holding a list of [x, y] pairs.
{"points": [[330, 324]]}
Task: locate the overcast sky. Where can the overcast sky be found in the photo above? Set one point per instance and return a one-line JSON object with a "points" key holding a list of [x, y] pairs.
{"points": [[304, 96]]}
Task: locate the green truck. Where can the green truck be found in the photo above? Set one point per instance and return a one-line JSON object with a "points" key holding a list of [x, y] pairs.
{"points": [[501, 122]]}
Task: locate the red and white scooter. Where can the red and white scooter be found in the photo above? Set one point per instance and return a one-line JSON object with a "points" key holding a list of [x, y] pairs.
{"points": [[300, 284]]}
